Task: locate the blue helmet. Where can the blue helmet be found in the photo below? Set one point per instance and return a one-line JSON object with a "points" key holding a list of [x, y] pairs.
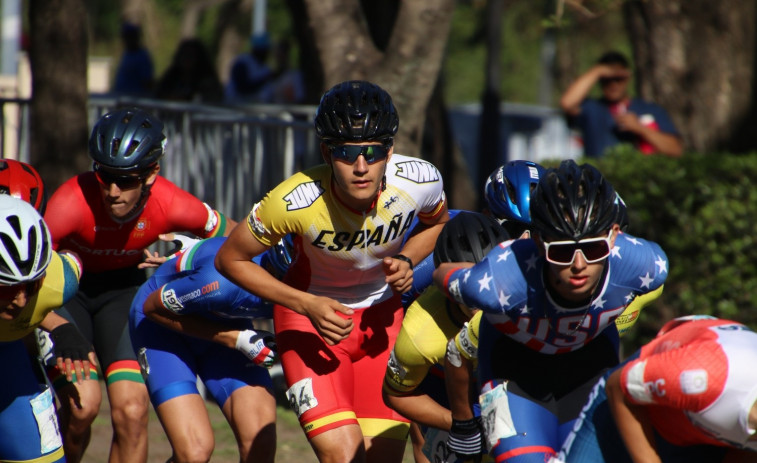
{"points": [[508, 191]]}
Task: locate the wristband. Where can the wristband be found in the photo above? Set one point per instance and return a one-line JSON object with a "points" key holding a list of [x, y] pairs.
{"points": [[403, 257], [465, 438]]}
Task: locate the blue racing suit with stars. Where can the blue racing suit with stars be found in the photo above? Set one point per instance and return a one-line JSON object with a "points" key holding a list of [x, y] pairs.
{"points": [[541, 355]]}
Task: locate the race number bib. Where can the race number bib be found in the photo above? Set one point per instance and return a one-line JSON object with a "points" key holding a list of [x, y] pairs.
{"points": [[47, 422], [495, 413], [301, 397]]}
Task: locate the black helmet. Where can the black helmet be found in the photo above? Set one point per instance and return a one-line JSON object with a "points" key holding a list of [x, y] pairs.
{"points": [[468, 237], [127, 139], [356, 111], [572, 202]]}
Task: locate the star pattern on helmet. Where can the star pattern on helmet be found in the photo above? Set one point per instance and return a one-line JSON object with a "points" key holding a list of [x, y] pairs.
{"points": [[483, 283], [531, 262], [504, 299], [630, 297], [466, 275], [662, 264], [633, 240], [646, 280], [502, 257]]}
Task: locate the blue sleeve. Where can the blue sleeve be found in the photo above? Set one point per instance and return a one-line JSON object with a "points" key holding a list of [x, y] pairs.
{"points": [[196, 286], [499, 282], [641, 265], [422, 274]]}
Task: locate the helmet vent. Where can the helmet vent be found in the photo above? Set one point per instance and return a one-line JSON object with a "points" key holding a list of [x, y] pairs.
{"points": [[15, 224], [511, 193], [132, 147], [24, 265]]}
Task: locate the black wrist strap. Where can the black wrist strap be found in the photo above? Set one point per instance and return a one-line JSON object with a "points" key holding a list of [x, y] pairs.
{"points": [[403, 257]]}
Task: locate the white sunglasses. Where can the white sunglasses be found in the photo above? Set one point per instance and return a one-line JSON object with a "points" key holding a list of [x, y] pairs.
{"points": [[564, 252]]}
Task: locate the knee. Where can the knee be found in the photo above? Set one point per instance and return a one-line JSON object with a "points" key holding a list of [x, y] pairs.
{"points": [[198, 450], [130, 413]]}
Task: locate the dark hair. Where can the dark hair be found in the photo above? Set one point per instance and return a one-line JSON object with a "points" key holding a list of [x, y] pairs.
{"points": [[614, 57]]}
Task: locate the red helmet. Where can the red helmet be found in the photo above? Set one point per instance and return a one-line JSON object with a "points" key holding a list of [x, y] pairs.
{"points": [[21, 180]]}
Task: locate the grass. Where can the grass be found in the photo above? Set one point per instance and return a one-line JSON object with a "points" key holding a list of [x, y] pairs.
{"points": [[292, 445]]}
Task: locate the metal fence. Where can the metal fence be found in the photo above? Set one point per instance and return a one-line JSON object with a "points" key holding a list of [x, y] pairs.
{"points": [[227, 156], [231, 156]]}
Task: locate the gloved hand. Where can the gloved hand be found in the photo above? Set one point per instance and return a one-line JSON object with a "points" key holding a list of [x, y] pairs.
{"points": [[69, 343], [180, 242], [259, 346], [465, 439]]}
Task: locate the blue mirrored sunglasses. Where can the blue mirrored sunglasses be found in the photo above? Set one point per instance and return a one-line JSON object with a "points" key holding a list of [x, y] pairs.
{"points": [[350, 153]]}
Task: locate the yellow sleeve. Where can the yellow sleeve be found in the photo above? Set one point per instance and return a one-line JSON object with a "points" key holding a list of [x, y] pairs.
{"points": [[466, 340], [628, 318]]}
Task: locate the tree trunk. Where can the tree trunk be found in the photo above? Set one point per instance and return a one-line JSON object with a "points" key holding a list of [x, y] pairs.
{"points": [[489, 135], [696, 58], [442, 151], [58, 59], [409, 67], [308, 59]]}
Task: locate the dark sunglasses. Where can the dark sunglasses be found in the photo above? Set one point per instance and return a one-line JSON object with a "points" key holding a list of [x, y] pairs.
{"points": [[610, 80], [8, 293], [564, 252], [123, 182], [350, 153]]}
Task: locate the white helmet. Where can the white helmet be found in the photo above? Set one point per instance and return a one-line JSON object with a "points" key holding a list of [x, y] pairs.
{"points": [[25, 242]]}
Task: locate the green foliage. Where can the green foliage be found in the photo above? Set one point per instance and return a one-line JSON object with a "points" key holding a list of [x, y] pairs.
{"points": [[702, 210]]}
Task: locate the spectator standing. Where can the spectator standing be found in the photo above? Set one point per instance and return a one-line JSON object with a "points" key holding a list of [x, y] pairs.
{"points": [[191, 77], [250, 73], [288, 86], [135, 74], [616, 117]]}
